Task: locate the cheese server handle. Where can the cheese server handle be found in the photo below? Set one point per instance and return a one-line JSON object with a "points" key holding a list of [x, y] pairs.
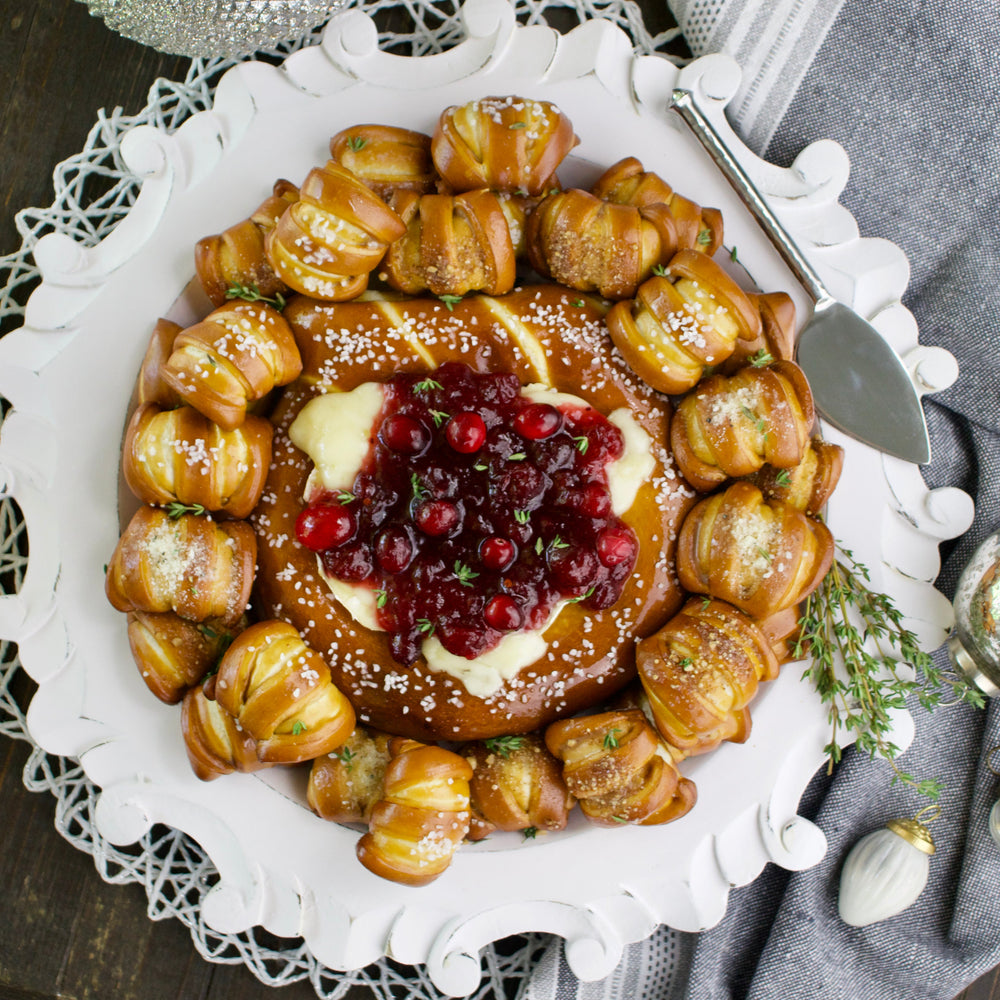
{"points": [[684, 104]]}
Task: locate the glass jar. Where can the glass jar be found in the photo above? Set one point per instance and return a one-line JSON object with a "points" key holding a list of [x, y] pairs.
{"points": [[974, 644]]}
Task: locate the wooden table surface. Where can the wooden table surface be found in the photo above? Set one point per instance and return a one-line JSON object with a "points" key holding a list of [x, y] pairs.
{"points": [[63, 931]]}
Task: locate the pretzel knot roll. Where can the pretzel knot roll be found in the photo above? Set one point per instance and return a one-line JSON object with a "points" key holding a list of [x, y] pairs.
{"points": [[238, 256], [762, 556], [452, 245], [774, 337], [181, 456], [731, 425], [280, 692], [627, 183], [593, 245], [150, 387], [173, 654], [504, 143], [345, 785], [194, 566], [233, 357], [386, 158], [516, 784], [215, 743], [423, 816], [327, 243], [700, 672], [616, 766], [808, 485], [679, 323]]}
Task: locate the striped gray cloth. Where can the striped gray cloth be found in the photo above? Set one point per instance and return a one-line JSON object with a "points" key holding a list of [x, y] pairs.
{"points": [[912, 91]]}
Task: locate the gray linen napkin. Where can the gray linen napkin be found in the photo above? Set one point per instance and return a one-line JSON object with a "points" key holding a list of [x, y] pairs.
{"points": [[912, 91]]}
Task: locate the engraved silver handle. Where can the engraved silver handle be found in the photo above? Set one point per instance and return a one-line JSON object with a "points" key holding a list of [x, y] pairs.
{"points": [[683, 102]]}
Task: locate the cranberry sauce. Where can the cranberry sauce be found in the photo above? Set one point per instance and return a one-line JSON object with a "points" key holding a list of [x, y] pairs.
{"points": [[476, 512]]}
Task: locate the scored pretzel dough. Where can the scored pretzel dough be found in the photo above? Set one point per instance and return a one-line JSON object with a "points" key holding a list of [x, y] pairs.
{"points": [[543, 334]]}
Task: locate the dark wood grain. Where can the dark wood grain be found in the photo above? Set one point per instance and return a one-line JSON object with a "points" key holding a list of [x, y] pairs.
{"points": [[63, 931]]}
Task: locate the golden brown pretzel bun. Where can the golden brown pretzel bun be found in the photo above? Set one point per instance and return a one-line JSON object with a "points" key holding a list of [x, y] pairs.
{"points": [[422, 817], [453, 244], [345, 785], [808, 485], [774, 339], [236, 355], [503, 143], [627, 183], [180, 456], [173, 654], [194, 566], [682, 321], [732, 425], [386, 158], [279, 691], [237, 256], [327, 243], [700, 671], [215, 743], [616, 766], [150, 387], [516, 783], [541, 334], [593, 245], [761, 555]]}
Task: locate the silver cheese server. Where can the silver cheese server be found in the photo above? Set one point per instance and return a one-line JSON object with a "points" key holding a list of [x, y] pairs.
{"points": [[859, 383]]}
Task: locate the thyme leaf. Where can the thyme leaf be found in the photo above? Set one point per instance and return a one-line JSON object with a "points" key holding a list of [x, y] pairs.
{"points": [[859, 650], [251, 293]]}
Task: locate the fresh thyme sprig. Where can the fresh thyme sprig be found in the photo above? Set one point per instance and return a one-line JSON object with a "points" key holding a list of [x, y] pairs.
{"points": [[176, 510], [503, 745], [251, 293], [859, 647]]}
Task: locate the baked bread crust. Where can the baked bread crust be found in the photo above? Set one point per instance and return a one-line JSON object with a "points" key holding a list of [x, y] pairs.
{"points": [[627, 183], [194, 566], [615, 765], [180, 456], [503, 143], [761, 555], [542, 334], [422, 817], [701, 671], [386, 158]]}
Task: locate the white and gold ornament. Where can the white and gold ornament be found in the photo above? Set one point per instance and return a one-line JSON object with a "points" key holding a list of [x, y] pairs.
{"points": [[886, 870]]}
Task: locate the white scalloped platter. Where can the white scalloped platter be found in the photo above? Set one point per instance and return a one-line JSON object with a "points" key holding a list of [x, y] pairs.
{"points": [[69, 374]]}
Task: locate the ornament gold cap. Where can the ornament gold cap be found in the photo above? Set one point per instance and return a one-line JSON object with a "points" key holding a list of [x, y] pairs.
{"points": [[913, 832]]}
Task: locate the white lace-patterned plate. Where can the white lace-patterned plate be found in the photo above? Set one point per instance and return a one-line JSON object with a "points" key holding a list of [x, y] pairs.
{"points": [[69, 374]]}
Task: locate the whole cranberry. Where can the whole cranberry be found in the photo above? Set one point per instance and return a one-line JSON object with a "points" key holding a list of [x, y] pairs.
{"points": [[404, 434], [503, 614], [573, 567], [325, 526], [519, 486], [437, 517], [466, 432], [462, 640], [616, 545], [350, 562], [497, 552], [594, 500], [538, 421], [394, 550]]}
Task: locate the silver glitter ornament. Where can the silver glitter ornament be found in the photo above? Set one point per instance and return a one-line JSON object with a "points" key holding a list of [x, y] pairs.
{"points": [[211, 28]]}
